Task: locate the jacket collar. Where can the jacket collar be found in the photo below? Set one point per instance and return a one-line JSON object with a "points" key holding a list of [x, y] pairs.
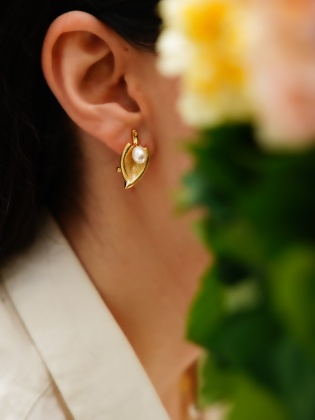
{"points": [[86, 352]]}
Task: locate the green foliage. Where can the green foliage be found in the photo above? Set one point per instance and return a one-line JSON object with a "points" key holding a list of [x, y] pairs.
{"points": [[255, 311], [245, 400]]}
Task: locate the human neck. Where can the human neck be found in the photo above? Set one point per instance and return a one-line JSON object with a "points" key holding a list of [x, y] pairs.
{"points": [[146, 279]]}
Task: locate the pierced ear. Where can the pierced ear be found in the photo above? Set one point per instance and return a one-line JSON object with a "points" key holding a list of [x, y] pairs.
{"points": [[85, 64]]}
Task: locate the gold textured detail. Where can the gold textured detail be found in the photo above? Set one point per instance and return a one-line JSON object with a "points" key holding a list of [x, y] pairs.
{"points": [[131, 171]]}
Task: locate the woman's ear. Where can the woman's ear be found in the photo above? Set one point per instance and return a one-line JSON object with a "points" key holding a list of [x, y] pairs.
{"points": [[89, 69]]}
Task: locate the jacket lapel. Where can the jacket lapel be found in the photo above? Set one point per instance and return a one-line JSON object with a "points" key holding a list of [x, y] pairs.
{"points": [[87, 354]]}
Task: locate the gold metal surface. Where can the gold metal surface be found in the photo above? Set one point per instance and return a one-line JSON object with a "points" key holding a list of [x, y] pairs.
{"points": [[131, 171]]}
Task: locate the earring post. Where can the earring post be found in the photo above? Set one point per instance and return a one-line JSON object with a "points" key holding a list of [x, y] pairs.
{"points": [[135, 137]]}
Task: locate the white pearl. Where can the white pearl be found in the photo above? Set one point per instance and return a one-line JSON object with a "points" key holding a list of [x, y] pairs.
{"points": [[139, 154]]}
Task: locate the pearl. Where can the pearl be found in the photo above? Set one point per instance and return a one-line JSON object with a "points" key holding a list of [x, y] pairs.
{"points": [[139, 154]]}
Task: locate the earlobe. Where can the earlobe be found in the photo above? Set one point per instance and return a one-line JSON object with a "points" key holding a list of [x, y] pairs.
{"points": [[85, 65]]}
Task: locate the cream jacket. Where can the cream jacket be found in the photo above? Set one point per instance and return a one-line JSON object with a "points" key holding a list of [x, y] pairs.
{"points": [[62, 354]]}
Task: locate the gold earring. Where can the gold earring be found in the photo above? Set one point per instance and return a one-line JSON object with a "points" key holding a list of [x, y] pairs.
{"points": [[134, 161]]}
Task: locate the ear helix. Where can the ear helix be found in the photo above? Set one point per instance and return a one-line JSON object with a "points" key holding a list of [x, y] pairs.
{"points": [[134, 161]]}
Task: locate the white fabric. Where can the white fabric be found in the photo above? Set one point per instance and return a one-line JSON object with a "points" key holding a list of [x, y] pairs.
{"points": [[62, 354]]}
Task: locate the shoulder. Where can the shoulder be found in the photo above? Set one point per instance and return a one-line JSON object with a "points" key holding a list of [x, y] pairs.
{"points": [[24, 379]]}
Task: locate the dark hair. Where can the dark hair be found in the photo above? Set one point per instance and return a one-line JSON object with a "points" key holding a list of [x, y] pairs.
{"points": [[36, 141]]}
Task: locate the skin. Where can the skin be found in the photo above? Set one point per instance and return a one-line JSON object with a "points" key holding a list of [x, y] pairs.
{"points": [[143, 259]]}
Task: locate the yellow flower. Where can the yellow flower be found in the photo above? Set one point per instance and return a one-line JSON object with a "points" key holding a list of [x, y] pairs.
{"points": [[209, 22], [204, 42]]}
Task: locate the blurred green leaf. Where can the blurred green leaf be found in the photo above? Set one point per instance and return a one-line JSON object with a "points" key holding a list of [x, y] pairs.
{"points": [[240, 184], [243, 398], [208, 310], [255, 402], [292, 281], [255, 311], [295, 374]]}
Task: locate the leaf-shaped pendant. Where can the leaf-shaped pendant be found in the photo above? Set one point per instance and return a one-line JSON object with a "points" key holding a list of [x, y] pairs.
{"points": [[134, 162]]}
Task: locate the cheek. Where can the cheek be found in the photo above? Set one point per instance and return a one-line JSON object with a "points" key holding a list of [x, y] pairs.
{"points": [[161, 96], [169, 124], [170, 133]]}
